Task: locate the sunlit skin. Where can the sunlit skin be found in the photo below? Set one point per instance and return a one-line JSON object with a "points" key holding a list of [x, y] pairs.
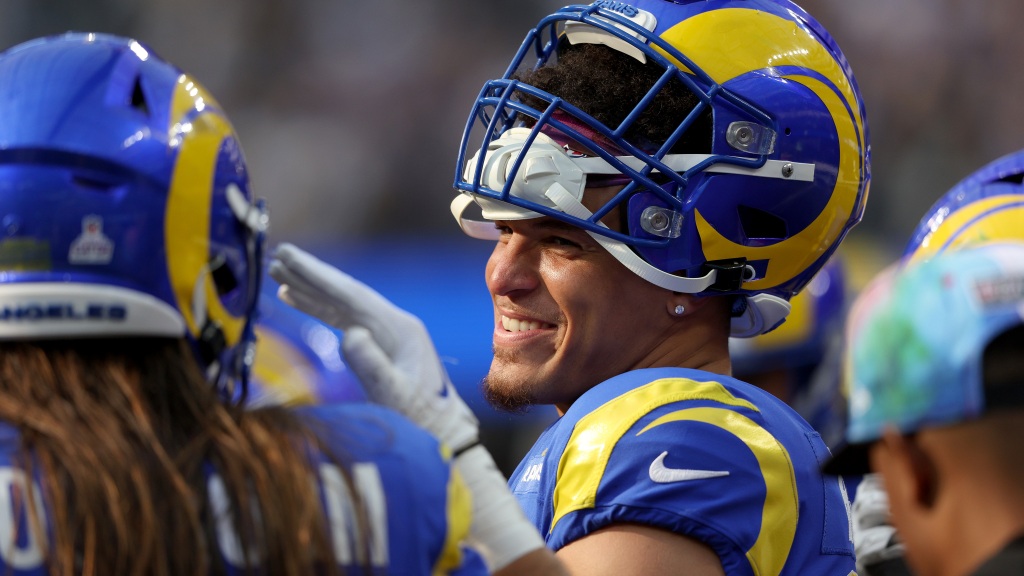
{"points": [[590, 317]]}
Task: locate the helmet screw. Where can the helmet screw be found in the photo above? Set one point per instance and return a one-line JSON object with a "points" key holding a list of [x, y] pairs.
{"points": [[787, 170], [659, 221], [744, 134]]}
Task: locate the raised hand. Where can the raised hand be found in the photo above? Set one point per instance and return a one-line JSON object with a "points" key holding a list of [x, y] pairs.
{"points": [[387, 347]]}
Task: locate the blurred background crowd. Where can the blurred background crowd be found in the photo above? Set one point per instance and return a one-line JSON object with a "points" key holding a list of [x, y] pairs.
{"points": [[350, 114]]}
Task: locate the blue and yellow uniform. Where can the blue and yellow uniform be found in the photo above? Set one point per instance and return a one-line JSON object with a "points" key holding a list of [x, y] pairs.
{"points": [[418, 511], [694, 453]]}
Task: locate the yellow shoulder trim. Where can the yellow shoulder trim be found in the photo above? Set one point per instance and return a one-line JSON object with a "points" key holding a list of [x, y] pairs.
{"points": [[781, 505], [586, 454]]}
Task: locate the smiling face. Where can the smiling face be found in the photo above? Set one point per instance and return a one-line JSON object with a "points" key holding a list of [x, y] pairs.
{"points": [[567, 315]]}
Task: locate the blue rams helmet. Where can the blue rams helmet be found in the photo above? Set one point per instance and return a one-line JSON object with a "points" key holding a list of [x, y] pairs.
{"points": [[755, 212], [124, 202], [985, 207]]}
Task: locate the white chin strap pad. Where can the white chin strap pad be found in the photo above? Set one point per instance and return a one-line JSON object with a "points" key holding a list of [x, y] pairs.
{"points": [[763, 313]]}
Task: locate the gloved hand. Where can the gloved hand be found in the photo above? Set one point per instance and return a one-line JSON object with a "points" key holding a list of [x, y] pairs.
{"points": [[387, 347], [876, 544], [391, 352]]}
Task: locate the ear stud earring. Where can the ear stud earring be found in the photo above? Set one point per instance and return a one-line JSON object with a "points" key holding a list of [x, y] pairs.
{"points": [[679, 310]]}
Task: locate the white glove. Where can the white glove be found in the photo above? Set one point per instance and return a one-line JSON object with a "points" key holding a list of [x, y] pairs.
{"points": [[391, 352], [876, 545], [387, 347]]}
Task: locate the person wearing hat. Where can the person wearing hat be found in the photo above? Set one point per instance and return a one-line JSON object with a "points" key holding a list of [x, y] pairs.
{"points": [[934, 367]]}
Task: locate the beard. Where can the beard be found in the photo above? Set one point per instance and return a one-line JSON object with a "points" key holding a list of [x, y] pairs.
{"points": [[503, 389]]}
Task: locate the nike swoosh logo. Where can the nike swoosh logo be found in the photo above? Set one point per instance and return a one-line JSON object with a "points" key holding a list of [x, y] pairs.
{"points": [[664, 475]]}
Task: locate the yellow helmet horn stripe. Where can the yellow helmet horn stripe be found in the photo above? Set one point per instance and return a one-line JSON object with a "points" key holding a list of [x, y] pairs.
{"points": [[765, 34], [187, 226], [990, 219]]}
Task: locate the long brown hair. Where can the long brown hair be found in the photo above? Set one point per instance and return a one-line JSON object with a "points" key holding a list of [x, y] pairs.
{"points": [[123, 435]]}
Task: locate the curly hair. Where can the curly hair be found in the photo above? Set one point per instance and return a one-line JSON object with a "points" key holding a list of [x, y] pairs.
{"points": [[608, 84]]}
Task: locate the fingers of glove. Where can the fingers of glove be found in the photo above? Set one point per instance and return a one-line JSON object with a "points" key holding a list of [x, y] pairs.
{"points": [[374, 369], [410, 393], [280, 270], [312, 301], [354, 302], [309, 304], [295, 266]]}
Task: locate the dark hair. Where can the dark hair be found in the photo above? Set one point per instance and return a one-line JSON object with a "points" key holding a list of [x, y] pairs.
{"points": [[608, 84], [1003, 369], [123, 434]]}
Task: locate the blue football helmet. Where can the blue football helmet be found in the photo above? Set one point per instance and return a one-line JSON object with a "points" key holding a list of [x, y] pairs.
{"points": [[756, 214], [985, 207], [124, 202]]}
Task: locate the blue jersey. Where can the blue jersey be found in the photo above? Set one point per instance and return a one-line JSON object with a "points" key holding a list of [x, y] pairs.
{"points": [[418, 509], [694, 453]]}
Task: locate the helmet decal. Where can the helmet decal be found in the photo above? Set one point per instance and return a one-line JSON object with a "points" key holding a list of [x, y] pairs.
{"points": [[795, 254]]}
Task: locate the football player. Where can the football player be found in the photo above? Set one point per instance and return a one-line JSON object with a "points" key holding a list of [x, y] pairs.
{"points": [[130, 263], [934, 362], [985, 207], [656, 176]]}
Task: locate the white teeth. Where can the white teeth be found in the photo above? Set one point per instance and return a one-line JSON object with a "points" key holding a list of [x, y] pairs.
{"points": [[514, 325]]}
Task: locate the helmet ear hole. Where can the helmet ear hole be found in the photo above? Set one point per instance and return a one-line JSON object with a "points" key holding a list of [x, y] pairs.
{"points": [[223, 277], [139, 97], [757, 223], [211, 342]]}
